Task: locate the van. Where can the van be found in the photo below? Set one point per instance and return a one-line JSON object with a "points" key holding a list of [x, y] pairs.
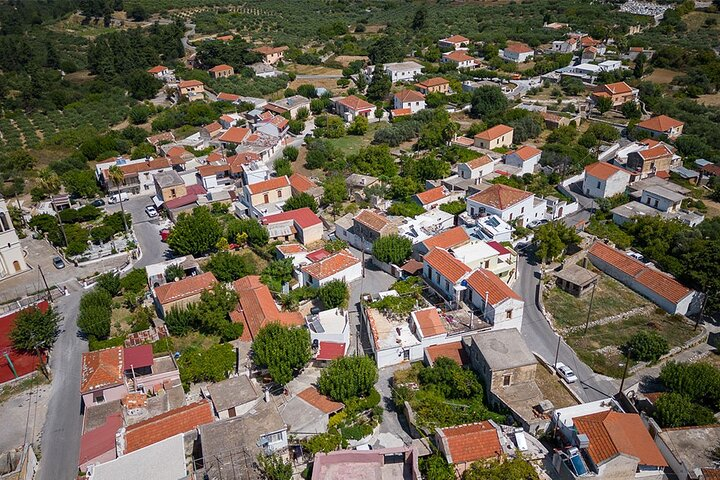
{"points": [[116, 198]]}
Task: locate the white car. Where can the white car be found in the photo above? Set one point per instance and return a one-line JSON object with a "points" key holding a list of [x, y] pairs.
{"points": [[565, 372], [150, 210]]}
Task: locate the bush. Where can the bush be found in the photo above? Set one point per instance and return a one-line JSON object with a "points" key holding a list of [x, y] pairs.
{"points": [[698, 381], [647, 346], [406, 209], [450, 379], [135, 281], [348, 377], [95, 344], [211, 365], [334, 294], [676, 410], [94, 314], [282, 350], [227, 266], [110, 283], [392, 249]]}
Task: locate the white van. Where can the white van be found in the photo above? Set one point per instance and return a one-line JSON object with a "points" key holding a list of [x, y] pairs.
{"points": [[116, 198]]}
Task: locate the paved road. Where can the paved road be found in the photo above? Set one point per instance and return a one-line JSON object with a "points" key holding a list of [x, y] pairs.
{"points": [[541, 338], [317, 77], [60, 441]]}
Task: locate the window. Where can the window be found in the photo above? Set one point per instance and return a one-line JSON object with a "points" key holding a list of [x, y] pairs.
{"points": [[599, 184], [508, 314], [266, 198], [4, 221], [487, 263], [522, 210], [279, 193], [98, 397], [506, 380]]}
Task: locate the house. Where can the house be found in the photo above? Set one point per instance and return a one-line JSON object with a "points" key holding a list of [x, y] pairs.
{"points": [[342, 265], [433, 197], [659, 158], [661, 198], [517, 52], [605, 180], [657, 286], [500, 306], [351, 107], [679, 447], [277, 126], [445, 273], [271, 55], [361, 230], [589, 54], [460, 58], [452, 350], [97, 446], [256, 308], [448, 239], [183, 292], [234, 396], [233, 137], [576, 280], [12, 259], [398, 72], [357, 183], [526, 158], [191, 89], [434, 85], [289, 105], [626, 212], [103, 376], [662, 125], [498, 136], [488, 228], [425, 225], [618, 93], [301, 184], [258, 197], [409, 99], [263, 70], [462, 445], [565, 46], [329, 333], [507, 367], [137, 174], [308, 413], [454, 42], [491, 256], [186, 203], [426, 324], [162, 460], [397, 463], [221, 71], [506, 202], [476, 168], [214, 175], [228, 97], [301, 224], [159, 71]]}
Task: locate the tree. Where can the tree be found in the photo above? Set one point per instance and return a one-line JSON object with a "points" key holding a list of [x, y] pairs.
{"points": [[335, 191], [348, 377], [450, 379], [639, 69], [552, 239], [488, 101], [334, 294], [359, 126], [631, 111], [386, 49], [134, 281], [195, 233], [603, 104], [392, 249], [211, 365], [116, 177], [700, 382], [419, 20], [35, 331], [380, 84], [515, 469], [81, 183], [274, 468], [405, 209], [228, 266], [453, 208], [212, 313], [282, 350], [109, 282], [676, 410], [277, 273], [174, 273], [283, 167], [291, 153], [180, 321], [303, 200], [436, 467], [142, 85], [95, 312], [647, 346], [249, 230]]}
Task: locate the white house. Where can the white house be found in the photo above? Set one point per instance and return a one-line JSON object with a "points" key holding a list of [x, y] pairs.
{"points": [[491, 256], [329, 332], [12, 260], [565, 46], [662, 125], [352, 107], [454, 42], [476, 168], [398, 72], [604, 180], [434, 197], [445, 273], [459, 57], [415, 101], [661, 198], [517, 52], [339, 266], [506, 202], [525, 158], [501, 307]]}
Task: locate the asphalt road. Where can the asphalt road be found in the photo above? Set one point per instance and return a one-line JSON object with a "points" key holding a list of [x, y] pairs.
{"points": [[541, 338]]}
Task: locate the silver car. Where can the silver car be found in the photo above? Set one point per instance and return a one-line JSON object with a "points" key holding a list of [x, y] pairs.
{"points": [[565, 372]]}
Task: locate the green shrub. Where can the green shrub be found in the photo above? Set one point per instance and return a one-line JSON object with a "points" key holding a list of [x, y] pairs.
{"points": [[647, 346], [348, 377], [94, 344]]}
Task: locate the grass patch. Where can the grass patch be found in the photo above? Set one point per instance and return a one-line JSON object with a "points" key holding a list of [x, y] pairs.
{"points": [[120, 321], [549, 384], [194, 339], [351, 144], [8, 392], [671, 327]]}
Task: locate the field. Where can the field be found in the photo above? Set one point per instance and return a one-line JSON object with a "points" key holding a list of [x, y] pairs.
{"points": [[710, 100], [549, 384], [351, 144], [662, 76]]}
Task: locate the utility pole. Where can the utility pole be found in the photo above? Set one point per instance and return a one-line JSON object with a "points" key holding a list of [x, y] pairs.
{"points": [[47, 289], [592, 295], [627, 362]]}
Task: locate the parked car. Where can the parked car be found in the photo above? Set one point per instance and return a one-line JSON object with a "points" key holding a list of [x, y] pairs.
{"points": [[117, 198], [98, 202], [150, 210], [58, 263], [565, 372]]}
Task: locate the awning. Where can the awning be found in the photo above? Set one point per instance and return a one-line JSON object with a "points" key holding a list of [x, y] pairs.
{"points": [[158, 203]]}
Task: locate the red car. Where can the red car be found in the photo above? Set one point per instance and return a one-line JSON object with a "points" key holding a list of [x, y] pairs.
{"points": [[164, 233]]}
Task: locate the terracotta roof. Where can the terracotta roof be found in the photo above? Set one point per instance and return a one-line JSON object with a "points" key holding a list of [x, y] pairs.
{"points": [[102, 369], [711, 169], [330, 351], [303, 217], [500, 196], [400, 112], [453, 351], [320, 401], [526, 152], [331, 265], [468, 142], [154, 140], [453, 237], [498, 247], [654, 152], [291, 248], [611, 433], [220, 68], [157, 69], [279, 121], [190, 83], [432, 195], [602, 170], [456, 39], [212, 170], [256, 308], [301, 183], [188, 286], [446, 265], [432, 82], [405, 96], [147, 166], [137, 357], [317, 255], [494, 132], [235, 135], [267, 185], [711, 473], [469, 443], [519, 48], [458, 56], [224, 38], [479, 161], [374, 221], [237, 162], [356, 103], [429, 322], [412, 266], [100, 440], [485, 282], [228, 97], [618, 88], [267, 50], [590, 50], [167, 425], [659, 282]]}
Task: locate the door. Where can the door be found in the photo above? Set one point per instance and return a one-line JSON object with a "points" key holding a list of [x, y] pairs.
{"points": [[231, 412]]}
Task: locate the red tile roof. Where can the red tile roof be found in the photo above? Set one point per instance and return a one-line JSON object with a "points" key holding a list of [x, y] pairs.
{"points": [[356, 103], [661, 123], [500, 196], [187, 287], [374, 221], [234, 135], [611, 433], [147, 166], [317, 255], [267, 185], [190, 83], [320, 401], [602, 170], [138, 357], [711, 473], [100, 440], [526, 152], [303, 217], [479, 161], [618, 88], [291, 248], [453, 351], [330, 351], [458, 56], [301, 183], [267, 50], [494, 132], [157, 69], [655, 152], [168, 424], [456, 39], [331, 265], [467, 142], [404, 96], [446, 265], [429, 322], [616, 258], [101, 369], [519, 48], [486, 282], [256, 308], [432, 82], [220, 68], [453, 237], [432, 195], [400, 112], [469, 443], [228, 97]]}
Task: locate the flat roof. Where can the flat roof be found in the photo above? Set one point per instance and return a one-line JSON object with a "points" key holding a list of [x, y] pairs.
{"points": [[384, 330], [577, 275], [686, 444], [504, 349], [164, 460]]}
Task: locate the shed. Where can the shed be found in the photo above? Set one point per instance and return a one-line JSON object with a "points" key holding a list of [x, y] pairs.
{"points": [[576, 280]]}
